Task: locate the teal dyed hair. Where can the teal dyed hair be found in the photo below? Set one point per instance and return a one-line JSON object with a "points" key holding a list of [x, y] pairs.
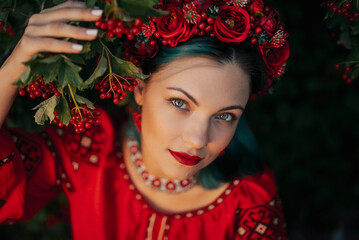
{"points": [[241, 157]]}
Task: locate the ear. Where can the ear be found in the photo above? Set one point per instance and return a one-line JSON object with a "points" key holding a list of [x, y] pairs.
{"points": [[139, 92]]}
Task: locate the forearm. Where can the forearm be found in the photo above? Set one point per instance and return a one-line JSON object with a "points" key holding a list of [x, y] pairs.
{"points": [[9, 73]]}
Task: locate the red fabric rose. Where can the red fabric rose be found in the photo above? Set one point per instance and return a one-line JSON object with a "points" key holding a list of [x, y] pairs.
{"points": [[257, 6], [270, 22], [140, 50], [274, 58], [173, 27], [231, 24]]}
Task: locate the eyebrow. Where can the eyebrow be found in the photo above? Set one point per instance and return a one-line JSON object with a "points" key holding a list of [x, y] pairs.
{"points": [[195, 102], [185, 93]]}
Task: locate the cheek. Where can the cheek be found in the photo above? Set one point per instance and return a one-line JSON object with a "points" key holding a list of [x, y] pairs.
{"points": [[220, 139], [158, 121]]}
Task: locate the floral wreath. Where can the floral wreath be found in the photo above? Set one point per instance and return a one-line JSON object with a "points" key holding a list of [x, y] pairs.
{"points": [[132, 31], [230, 21]]}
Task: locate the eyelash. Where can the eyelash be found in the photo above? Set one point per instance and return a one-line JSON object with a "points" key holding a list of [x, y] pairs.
{"points": [[173, 103]]}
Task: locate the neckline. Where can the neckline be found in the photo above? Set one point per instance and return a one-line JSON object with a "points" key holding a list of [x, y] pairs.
{"points": [[177, 215]]}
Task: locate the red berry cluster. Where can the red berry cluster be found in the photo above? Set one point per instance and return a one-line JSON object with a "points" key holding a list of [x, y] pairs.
{"points": [[344, 8], [9, 30], [205, 26], [117, 86], [82, 118], [38, 88], [347, 71], [119, 28]]}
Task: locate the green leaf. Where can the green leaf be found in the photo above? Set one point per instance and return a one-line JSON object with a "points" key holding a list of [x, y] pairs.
{"points": [[24, 79], [355, 73], [63, 110], [354, 29], [98, 72], [6, 4], [86, 48], [141, 8], [4, 14], [125, 68], [90, 3], [47, 67], [69, 73], [345, 39], [75, 58], [82, 100], [45, 110]]}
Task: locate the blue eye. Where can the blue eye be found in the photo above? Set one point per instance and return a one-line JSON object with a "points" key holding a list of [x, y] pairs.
{"points": [[225, 117], [178, 103]]}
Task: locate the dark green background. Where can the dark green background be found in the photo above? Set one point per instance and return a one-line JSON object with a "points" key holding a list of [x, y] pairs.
{"points": [[308, 133]]}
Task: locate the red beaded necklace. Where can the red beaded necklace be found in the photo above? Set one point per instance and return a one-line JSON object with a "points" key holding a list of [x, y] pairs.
{"points": [[161, 184]]}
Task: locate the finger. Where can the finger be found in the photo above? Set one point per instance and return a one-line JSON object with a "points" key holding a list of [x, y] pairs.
{"points": [[67, 4], [61, 30], [33, 45], [66, 15]]}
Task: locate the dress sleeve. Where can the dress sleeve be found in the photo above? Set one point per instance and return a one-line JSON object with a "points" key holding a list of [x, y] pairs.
{"points": [[260, 213], [27, 175]]}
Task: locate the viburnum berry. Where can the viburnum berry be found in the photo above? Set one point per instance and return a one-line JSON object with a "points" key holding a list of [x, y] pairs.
{"points": [[258, 30], [254, 40], [337, 66], [137, 22], [210, 20], [348, 69], [83, 118], [345, 76], [115, 85], [38, 88]]}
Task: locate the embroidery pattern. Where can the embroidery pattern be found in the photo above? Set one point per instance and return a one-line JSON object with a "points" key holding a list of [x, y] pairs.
{"points": [[6, 160], [61, 176], [262, 222], [30, 153]]}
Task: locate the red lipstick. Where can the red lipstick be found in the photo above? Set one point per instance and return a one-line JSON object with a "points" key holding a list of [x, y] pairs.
{"points": [[185, 158]]}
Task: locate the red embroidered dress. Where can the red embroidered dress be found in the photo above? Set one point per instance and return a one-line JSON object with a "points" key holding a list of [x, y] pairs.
{"points": [[104, 203]]}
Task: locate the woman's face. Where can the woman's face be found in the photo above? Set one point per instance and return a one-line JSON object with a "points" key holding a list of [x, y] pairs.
{"points": [[190, 110]]}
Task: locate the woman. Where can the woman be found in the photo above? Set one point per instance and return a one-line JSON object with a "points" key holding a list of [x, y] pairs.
{"points": [[186, 176]]}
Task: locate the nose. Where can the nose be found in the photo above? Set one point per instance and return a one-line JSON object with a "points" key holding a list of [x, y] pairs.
{"points": [[196, 132]]}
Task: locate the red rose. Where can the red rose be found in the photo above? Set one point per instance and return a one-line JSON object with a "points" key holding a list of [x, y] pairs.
{"points": [[274, 58], [270, 22], [257, 6], [231, 24], [140, 50], [173, 27]]}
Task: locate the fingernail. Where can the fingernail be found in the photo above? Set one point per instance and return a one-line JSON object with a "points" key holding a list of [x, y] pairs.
{"points": [[96, 12], [77, 46], [91, 32]]}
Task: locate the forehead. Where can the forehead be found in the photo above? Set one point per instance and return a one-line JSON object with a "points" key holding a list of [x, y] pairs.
{"points": [[204, 78]]}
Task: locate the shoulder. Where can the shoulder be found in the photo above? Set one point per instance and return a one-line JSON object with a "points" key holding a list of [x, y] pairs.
{"points": [[257, 189], [259, 208]]}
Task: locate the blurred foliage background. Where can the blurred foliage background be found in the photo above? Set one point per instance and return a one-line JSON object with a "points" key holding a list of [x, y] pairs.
{"points": [[308, 132]]}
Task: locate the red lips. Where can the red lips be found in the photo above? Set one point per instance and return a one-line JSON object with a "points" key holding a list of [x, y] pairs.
{"points": [[185, 158]]}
